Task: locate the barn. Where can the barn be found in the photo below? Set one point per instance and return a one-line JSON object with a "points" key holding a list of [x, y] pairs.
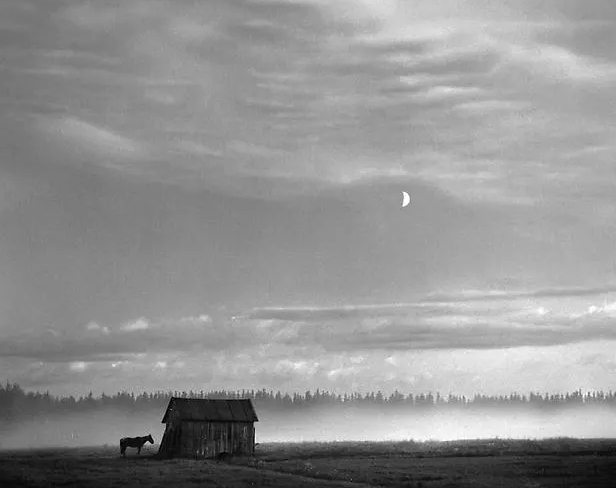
{"points": [[203, 428]]}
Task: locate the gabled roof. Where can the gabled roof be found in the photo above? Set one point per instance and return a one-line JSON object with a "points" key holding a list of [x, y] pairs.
{"points": [[212, 410]]}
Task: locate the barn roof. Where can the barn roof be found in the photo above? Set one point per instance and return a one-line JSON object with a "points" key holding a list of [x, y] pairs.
{"points": [[212, 410]]}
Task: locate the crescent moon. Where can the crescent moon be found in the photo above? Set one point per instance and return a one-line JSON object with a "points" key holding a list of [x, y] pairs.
{"points": [[406, 199]]}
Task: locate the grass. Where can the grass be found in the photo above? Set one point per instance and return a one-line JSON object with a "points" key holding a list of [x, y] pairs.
{"points": [[481, 463]]}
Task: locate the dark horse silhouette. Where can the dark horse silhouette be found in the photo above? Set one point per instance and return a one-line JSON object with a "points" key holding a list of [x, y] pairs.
{"points": [[137, 442]]}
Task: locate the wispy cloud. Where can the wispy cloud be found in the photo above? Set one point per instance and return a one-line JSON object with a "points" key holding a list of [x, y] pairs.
{"points": [[498, 119], [139, 324], [296, 81], [98, 141], [474, 321], [480, 295], [560, 64], [96, 343]]}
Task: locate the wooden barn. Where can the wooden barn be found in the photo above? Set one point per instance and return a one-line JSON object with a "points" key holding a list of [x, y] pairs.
{"points": [[204, 428]]}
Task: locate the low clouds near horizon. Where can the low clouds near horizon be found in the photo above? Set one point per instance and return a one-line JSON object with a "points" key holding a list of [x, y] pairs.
{"points": [[334, 348], [193, 191]]}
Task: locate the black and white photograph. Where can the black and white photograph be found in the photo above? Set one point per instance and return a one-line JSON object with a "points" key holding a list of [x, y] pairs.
{"points": [[308, 243]]}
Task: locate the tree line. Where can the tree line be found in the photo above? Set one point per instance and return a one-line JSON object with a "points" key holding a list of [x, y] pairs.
{"points": [[15, 402]]}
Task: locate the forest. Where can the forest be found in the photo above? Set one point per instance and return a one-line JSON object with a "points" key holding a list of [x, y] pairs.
{"points": [[18, 404]]}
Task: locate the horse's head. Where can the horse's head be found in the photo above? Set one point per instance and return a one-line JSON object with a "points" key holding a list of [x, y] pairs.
{"points": [[149, 438]]}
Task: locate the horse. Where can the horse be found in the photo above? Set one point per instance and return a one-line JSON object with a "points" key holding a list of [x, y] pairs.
{"points": [[137, 442]]}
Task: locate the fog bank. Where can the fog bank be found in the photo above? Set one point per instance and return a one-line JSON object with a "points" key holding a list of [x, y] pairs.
{"points": [[325, 425], [77, 430]]}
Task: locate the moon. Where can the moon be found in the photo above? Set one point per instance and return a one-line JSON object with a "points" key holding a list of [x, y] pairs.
{"points": [[406, 199]]}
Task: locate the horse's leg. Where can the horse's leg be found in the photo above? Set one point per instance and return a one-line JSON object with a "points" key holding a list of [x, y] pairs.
{"points": [[138, 451]]}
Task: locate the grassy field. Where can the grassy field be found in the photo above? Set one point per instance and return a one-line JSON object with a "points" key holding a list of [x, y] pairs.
{"points": [[482, 463]]}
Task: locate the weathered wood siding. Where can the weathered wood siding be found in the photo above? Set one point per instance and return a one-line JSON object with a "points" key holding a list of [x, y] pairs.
{"points": [[195, 439], [206, 439], [170, 445]]}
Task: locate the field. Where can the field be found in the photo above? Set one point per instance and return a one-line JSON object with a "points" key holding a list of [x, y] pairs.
{"points": [[481, 463]]}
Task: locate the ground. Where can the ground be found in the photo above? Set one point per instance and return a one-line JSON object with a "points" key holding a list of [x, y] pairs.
{"points": [[483, 463]]}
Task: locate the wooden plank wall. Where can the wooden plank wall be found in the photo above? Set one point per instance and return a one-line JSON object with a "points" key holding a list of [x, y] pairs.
{"points": [[207, 439], [170, 445]]}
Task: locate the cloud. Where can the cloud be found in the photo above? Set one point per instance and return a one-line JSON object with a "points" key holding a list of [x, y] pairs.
{"points": [[472, 109], [433, 303], [78, 366], [198, 320], [160, 85], [316, 314], [561, 64], [114, 344], [139, 324], [86, 143], [95, 137], [457, 371], [479, 295], [473, 320], [95, 326]]}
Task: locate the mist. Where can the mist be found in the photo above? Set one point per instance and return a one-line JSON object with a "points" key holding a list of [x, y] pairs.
{"points": [[95, 428], [326, 426], [107, 426]]}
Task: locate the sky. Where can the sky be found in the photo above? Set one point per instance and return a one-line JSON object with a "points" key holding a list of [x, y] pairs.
{"points": [[204, 195]]}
